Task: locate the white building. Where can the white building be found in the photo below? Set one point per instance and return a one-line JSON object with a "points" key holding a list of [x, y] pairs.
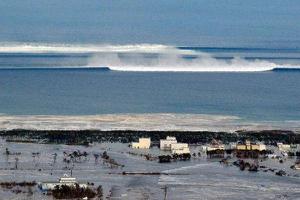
{"points": [[248, 146], [215, 147], [180, 148], [283, 147], [65, 180], [259, 147], [166, 144], [295, 147], [144, 143], [230, 146]]}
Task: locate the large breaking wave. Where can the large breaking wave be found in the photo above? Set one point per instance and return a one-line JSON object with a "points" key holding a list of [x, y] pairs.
{"points": [[144, 57], [177, 63]]}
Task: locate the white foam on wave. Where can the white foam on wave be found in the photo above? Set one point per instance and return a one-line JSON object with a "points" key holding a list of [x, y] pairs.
{"points": [[207, 64], [175, 60], [81, 48], [146, 57]]}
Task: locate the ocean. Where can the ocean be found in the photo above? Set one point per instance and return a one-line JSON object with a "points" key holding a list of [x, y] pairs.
{"points": [[250, 83], [107, 57], [159, 65]]}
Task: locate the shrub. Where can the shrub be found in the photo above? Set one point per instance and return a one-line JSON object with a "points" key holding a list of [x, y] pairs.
{"points": [[74, 192]]}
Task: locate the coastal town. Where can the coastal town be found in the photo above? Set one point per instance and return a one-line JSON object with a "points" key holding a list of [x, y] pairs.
{"points": [[149, 100], [92, 170]]}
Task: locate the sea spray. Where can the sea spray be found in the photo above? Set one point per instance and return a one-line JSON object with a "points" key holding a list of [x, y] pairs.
{"points": [[176, 60], [131, 57]]}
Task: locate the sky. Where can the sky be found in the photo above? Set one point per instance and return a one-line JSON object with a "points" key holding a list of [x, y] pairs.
{"points": [[237, 23]]}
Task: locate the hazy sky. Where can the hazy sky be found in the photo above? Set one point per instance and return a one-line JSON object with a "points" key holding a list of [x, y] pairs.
{"points": [[273, 23]]}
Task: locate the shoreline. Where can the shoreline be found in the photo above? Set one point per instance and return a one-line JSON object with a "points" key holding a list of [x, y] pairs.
{"points": [[143, 121]]}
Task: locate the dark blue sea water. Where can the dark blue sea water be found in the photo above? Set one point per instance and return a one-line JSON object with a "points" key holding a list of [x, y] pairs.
{"points": [[219, 57], [268, 95], [226, 23]]}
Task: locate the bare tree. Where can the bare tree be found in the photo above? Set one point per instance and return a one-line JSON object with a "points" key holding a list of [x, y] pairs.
{"points": [[54, 158], [16, 162], [96, 156]]}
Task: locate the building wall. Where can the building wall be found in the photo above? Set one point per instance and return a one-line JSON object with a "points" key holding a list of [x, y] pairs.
{"points": [[135, 145], [166, 144], [181, 151], [284, 147], [144, 143], [180, 148], [241, 147], [259, 147]]}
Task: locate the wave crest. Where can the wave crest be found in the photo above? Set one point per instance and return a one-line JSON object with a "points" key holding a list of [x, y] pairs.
{"points": [[177, 60], [74, 48], [139, 57]]}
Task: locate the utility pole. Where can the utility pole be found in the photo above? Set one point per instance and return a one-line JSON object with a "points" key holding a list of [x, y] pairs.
{"points": [[165, 188], [16, 163]]}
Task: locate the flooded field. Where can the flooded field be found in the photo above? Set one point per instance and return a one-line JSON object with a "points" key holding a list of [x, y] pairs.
{"points": [[198, 177]]}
